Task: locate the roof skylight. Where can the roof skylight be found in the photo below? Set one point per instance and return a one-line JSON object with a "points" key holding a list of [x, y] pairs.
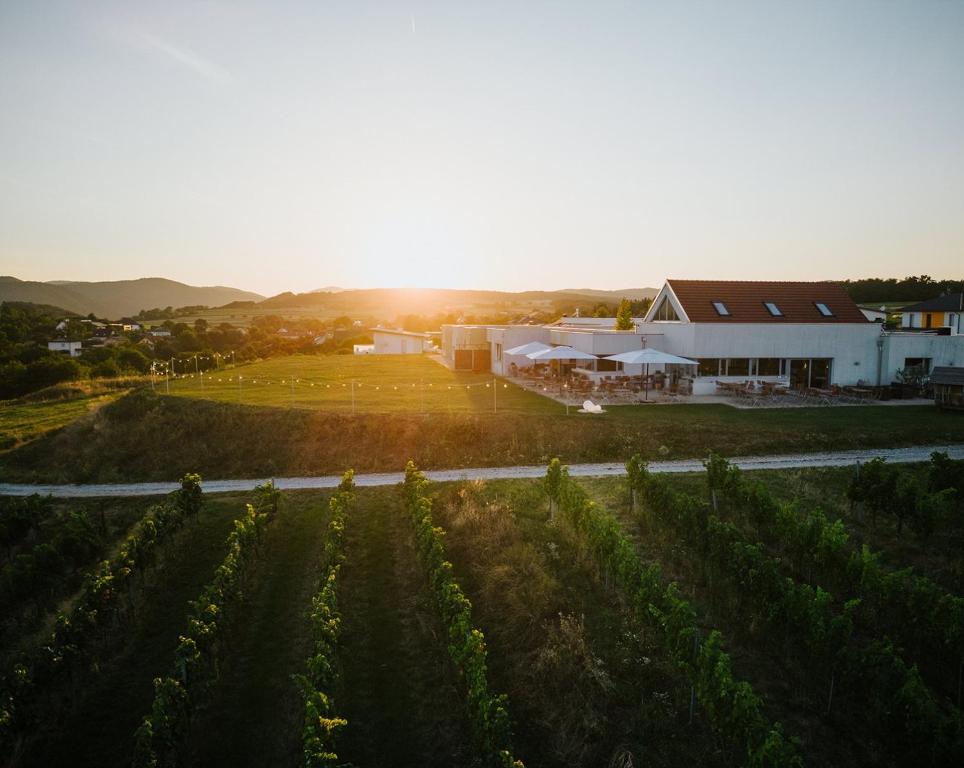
{"points": [[823, 309], [721, 309], [773, 309]]}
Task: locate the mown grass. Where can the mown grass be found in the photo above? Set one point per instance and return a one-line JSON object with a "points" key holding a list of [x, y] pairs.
{"points": [[23, 421], [375, 383], [398, 689], [587, 685], [154, 437], [255, 713]]}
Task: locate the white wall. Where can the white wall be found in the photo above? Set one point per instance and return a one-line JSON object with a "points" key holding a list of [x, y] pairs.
{"points": [[943, 350], [396, 344], [72, 348], [513, 336]]}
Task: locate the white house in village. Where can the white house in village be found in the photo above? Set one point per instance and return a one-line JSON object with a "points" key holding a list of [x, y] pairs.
{"points": [[802, 334], [388, 341], [70, 348]]}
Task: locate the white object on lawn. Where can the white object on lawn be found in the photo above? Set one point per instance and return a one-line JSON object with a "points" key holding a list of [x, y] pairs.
{"points": [[589, 406]]}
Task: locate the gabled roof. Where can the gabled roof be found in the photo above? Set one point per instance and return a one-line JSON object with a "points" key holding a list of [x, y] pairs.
{"points": [[745, 301], [947, 375], [949, 302]]}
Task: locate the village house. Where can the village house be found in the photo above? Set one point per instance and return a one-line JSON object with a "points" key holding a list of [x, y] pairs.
{"points": [[70, 348], [942, 312]]}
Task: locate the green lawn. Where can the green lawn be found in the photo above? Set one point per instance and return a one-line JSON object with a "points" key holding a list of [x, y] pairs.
{"points": [[21, 422], [376, 384]]}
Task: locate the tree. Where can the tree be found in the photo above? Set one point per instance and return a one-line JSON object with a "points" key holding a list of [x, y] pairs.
{"points": [[624, 316]]}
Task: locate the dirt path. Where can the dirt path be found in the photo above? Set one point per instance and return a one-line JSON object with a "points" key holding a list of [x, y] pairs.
{"points": [[255, 714], [398, 692], [605, 469]]}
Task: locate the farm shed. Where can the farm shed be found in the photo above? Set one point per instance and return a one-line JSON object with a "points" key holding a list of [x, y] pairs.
{"points": [[948, 386]]}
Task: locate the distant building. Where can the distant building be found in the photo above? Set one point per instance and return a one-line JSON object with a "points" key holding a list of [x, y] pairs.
{"points": [[875, 315], [159, 333], [388, 341], [945, 311], [71, 348]]}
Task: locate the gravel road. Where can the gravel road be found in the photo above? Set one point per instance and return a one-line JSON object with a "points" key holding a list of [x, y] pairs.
{"points": [[606, 469]]}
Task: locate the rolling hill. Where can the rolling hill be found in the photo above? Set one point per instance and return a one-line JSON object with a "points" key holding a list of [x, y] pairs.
{"points": [[119, 298]]}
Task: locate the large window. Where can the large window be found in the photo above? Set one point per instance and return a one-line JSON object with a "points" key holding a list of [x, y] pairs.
{"points": [[921, 364], [768, 366], [666, 311], [738, 366], [810, 373], [709, 366]]}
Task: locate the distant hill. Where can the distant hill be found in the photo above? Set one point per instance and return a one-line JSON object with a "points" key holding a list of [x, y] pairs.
{"points": [[119, 298], [613, 296], [393, 302]]}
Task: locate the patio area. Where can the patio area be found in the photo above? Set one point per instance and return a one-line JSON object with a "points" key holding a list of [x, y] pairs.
{"points": [[572, 385]]}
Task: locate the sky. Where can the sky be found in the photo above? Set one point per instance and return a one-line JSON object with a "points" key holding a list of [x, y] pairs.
{"points": [[295, 145]]}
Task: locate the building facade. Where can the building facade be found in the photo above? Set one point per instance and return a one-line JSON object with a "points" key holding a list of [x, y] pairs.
{"points": [[800, 334]]}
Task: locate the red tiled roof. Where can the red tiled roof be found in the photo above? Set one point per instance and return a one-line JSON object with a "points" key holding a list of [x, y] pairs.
{"points": [[745, 301]]}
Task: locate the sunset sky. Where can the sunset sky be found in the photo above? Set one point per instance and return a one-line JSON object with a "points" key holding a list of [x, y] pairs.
{"points": [[294, 145]]}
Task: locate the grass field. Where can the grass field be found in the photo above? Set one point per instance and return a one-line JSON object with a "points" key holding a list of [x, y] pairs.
{"points": [[21, 422], [375, 384], [147, 437]]}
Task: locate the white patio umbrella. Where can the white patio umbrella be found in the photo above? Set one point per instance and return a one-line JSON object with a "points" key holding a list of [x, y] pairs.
{"points": [[647, 356], [561, 353], [525, 349]]}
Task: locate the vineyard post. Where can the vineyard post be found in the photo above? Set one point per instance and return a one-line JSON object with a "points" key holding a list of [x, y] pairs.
{"points": [[239, 389], [696, 651], [153, 388], [421, 396], [292, 390], [167, 381], [352, 397], [495, 396]]}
